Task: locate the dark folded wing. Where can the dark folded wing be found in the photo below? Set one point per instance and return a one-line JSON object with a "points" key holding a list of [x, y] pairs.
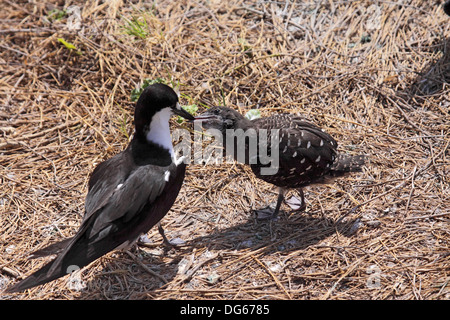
{"points": [[306, 152], [129, 210]]}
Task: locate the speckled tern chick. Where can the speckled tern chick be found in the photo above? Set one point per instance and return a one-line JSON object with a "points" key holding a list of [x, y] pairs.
{"points": [[306, 153], [128, 193]]}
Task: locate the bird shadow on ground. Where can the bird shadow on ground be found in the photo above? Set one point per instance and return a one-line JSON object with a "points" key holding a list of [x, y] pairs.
{"points": [[284, 235], [130, 274], [129, 278]]}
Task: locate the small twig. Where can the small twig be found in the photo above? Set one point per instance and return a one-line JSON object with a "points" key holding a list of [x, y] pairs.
{"points": [[277, 281], [37, 134], [143, 266], [10, 272], [190, 273], [428, 216], [34, 30], [14, 50], [412, 189]]}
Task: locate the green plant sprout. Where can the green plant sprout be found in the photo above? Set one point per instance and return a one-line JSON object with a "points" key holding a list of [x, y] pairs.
{"points": [[69, 46], [136, 93], [56, 14], [192, 109], [137, 28]]}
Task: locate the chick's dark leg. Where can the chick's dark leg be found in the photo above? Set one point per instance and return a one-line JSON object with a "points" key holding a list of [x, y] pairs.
{"points": [[268, 213]]}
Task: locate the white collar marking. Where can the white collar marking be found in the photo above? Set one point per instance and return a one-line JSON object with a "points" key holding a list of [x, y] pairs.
{"points": [[159, 131]]}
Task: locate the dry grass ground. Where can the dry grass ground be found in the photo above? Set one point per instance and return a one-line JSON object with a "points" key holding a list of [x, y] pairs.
{"points": [[374, 74]]}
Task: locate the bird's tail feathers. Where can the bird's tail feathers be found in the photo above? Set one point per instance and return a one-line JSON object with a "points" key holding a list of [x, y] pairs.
{"points": [[76, 254], [347, 163], [41, 276], [54, 248]]}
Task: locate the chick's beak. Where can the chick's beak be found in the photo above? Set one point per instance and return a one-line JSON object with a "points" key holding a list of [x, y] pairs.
{"points": [[178, 110], [205, 116], [209, 121]]}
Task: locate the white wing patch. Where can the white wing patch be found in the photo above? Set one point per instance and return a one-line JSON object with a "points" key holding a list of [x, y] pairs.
{"points": [[166, 175]]}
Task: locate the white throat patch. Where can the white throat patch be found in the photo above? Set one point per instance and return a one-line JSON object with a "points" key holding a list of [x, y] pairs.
{"points": [[159, 130]]}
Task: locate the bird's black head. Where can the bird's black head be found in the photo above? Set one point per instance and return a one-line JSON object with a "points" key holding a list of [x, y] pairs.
{"points": [[156, 98], [222, 118]]}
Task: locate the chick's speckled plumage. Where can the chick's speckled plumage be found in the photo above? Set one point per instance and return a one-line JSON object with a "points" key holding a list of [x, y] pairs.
{"points": [[306, 153]]}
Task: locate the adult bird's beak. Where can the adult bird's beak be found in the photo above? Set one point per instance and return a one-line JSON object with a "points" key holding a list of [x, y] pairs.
{"points": [[178, 110]]}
